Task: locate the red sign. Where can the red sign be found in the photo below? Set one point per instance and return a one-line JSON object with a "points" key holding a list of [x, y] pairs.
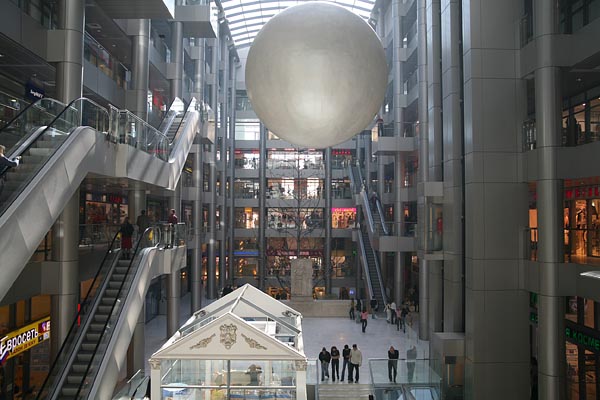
{"points": [[582, 192]]}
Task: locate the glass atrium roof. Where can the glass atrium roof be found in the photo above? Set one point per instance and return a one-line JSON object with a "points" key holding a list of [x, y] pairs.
{"points": [[247, 17]]}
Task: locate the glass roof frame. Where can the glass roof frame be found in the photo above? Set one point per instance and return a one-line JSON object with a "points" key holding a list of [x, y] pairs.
{"points": [[246, 18]]}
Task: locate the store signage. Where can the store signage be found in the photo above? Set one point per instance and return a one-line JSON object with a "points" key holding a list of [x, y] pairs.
{"points": [[112, 198], [303, 253], [33, 92], [24, 338], [343, 209], [585, 192], [582, 335]]}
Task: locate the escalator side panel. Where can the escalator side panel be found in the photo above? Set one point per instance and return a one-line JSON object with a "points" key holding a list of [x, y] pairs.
{"points": [[31, 215]]}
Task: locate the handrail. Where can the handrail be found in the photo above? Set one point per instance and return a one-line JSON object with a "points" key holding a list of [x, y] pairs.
{"points": [[135, 253], [28, 143], [194, 104], [29, 106], [76, 320], [386, 232], [363, 196]]}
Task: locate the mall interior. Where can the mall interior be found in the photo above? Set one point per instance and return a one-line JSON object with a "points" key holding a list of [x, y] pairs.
{"points": [[474, 193]]}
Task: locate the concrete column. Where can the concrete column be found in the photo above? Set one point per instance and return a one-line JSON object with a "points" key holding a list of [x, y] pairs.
{"points": [[548, 106], [136, 359], [140, 66], [423, 169], [434, 109], [196, 267], [232, 113], [211, 283], [368, 158], [177, 60], [398, 83], [65, 253], [136, 203], [494, 109], [69, 72], [199, 71], [65, 232], [453, 207], [262, 206], [328, 230], [224, 61], [173, 296]]}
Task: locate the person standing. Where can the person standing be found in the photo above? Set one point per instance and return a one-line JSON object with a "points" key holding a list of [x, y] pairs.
{"points": [[5, 163], [374, 306], [355, 363], [172, 221], [351, 312], [393, 310], [346, 357], [411, 357], [388, 313], [393, 356], [335, 363], [364, 316], [126, 238], [324, 358]]}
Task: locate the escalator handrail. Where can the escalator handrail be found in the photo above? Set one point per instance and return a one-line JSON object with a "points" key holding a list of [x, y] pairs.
{"points": [[26, 144], [117, 298], [29, 106], [367, 209], [78, 315], [384, 227]]}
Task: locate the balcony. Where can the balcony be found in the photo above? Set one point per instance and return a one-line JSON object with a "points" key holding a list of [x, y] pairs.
{"points": [[138, 9], [199, 19]]}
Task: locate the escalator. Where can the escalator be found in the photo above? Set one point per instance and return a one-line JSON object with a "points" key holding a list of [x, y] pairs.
{"points": [[104, 320], [59, 146], [372, 271]]}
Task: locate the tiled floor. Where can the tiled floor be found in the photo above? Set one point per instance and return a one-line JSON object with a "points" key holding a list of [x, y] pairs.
{"points": [[319, 333]]}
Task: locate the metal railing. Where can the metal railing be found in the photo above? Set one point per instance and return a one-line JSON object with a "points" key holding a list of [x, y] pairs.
{"points": [[128, 128]]}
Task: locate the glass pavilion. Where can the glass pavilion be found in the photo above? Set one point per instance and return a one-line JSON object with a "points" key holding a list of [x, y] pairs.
{"points": [[245, 345]]}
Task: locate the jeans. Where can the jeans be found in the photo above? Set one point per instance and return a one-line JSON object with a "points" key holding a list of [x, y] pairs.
{"points": [[324, 369], [335, 369], [344, 368], [364, 324], [392, 370], [351, 369]]}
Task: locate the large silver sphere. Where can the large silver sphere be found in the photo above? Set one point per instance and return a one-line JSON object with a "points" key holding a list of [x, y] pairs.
{"points": [[316, 74]]}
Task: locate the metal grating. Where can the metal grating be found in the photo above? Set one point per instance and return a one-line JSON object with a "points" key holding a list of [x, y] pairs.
{"points": [[246, 17]]}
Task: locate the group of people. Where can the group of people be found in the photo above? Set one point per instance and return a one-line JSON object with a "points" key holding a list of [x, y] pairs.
{"points": [[351, 358], [400, 316], [143, 222], [358, 310]]}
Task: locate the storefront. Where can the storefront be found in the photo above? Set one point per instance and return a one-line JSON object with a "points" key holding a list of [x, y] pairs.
{"points": [[343, 218], [24, 346], [104, 208]]}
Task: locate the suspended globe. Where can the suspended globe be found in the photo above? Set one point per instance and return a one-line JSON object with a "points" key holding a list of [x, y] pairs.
{"points": [[316, 74]]}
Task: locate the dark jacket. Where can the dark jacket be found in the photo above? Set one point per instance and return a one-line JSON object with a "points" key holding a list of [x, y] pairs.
{"points": [[346, 353], [325, 356], [393, 355], [127, 229]]}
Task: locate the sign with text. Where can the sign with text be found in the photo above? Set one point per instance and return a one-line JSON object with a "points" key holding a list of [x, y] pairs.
{"points": [[23, 339], [582, 335]]}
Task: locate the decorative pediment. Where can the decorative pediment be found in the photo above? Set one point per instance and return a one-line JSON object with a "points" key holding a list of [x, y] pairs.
{"points": [[229, 337]]}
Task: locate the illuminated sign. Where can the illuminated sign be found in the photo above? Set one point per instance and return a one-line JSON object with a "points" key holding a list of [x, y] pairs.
{"points": [[24, 338], [582, 335], [343, 209], [586, 192]]}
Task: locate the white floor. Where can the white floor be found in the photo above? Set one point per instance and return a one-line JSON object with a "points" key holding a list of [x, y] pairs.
{"points": [[319, 333]]}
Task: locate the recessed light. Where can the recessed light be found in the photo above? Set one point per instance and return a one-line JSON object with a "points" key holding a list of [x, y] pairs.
{"points": [[1, 55], [579, 79]]}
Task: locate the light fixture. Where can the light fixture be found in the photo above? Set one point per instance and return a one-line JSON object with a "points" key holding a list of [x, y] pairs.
{"points": [[591, 274]]}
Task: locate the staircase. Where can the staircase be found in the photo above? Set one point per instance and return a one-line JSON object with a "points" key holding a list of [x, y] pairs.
{"points": [[94, 332], [343, 391], [373, 276]]}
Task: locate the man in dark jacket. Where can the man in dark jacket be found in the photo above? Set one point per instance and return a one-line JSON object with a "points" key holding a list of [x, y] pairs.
{"points": [[325, 358], [346, 357], [393, 356]]}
